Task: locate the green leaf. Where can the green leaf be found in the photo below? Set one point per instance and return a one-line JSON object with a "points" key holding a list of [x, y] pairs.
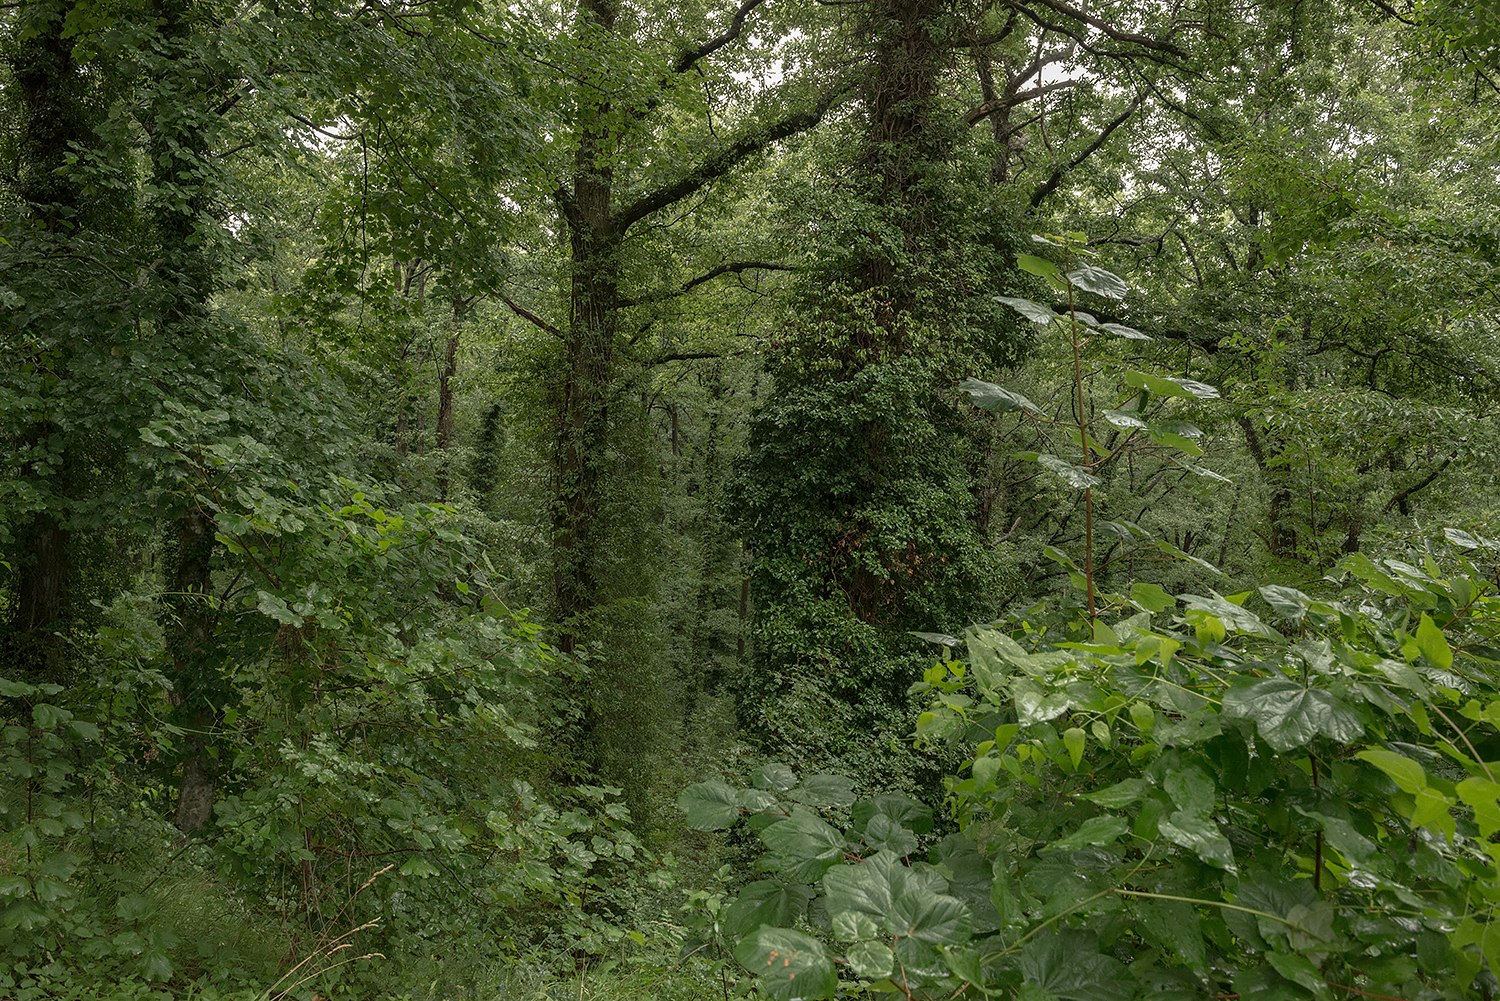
{"points": [[765, 902], [1433, 644], [871, 960], [1203, 471], [1176, 926], [789, 965], [1287, 601], [1163, 386], [805, 844], [1484, 796], [1125, 420], [710, 806], [1039, 266], [1074, 476], [908, 812], [1200, 836], [1129, 333], [1120, 794], [1033, 311], [1068, 965], [1341, 834], [1288, 715], [419, 867], [1074, 739], [870, 887], [930, 917], [1191, 789], [884, 834], [774, 775], [1098, 281], [988, 396], [852, 926], [824, 791], [1094, 831], [1151, 597], [1232, 615], [1405, 772], [1299, 970]]}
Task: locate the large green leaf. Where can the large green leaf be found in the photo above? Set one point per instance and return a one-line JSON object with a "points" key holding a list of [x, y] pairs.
{"points": [[1098, 281], [766, 902], [885, 834], [824, 791], [710, 806], [930, 917], [872, 960], [805, 845], [774, 775], [1163, 386], [1200, 836], [1288, 715], [1039, 266], [988, 396], [1433, 644], [1033, 311], [1068, 965], [1175, 925], [907, 812], [972, 880], [1074, 476], [1094, 831], [789, 965], [1232, 615], [871, 887]]}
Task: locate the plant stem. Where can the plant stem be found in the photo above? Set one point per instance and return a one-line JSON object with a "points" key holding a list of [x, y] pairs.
{"points": [[1088, 457]]}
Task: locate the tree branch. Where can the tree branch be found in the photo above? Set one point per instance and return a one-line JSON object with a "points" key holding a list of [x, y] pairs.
{"points": [[682, 356], [1399, 500], [689, 57], [1144, 41], [976, 115], [1050, 184], [723, 269], [1392, 12], [529, 316], [722, 162]]}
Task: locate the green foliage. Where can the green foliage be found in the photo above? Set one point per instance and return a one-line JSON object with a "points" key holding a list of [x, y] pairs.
{"points": [[1193, 798]]}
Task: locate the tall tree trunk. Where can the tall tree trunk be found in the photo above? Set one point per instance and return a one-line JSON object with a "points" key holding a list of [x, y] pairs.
{"points": [[181, 127], [593, 297], [445, 401], [54, 117]]}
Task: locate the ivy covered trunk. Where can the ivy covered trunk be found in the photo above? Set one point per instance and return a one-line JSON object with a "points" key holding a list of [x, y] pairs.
{"points": [[54, 118], [181, 128], [856, 493]]}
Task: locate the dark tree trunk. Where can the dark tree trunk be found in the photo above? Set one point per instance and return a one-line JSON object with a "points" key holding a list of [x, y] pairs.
{"points": [[54, 116], [179, 140]]}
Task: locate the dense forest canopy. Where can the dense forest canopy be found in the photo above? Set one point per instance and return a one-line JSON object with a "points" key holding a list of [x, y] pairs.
{"points": [[913, 498]]}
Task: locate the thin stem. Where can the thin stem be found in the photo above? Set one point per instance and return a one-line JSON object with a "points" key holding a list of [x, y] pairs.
{"points": [[1088, 457]]}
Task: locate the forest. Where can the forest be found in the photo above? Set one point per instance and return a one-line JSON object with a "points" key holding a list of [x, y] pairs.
{"points": [[795, 499]]}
